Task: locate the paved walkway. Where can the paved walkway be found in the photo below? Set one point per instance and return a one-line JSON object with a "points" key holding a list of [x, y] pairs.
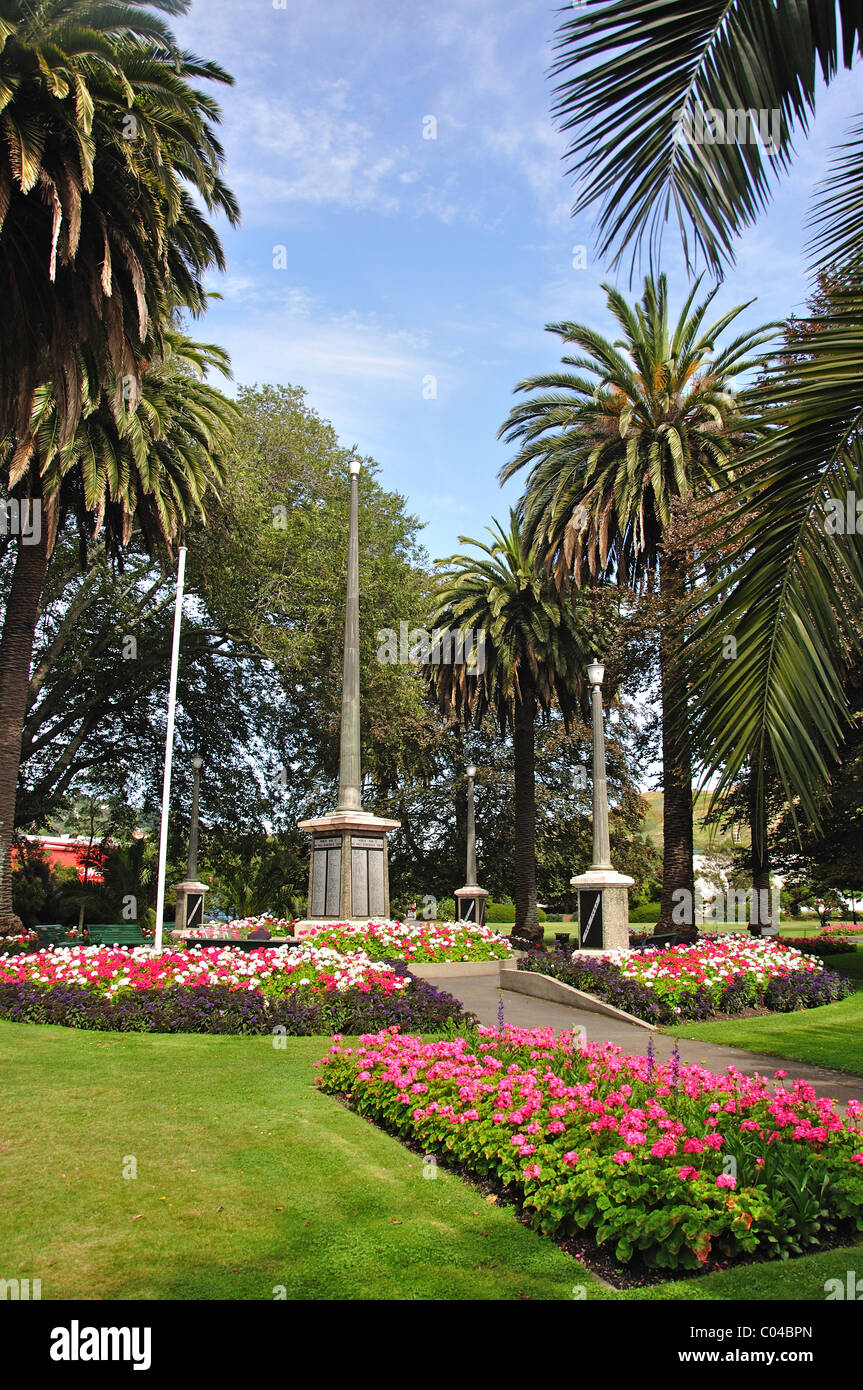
{"points": [[480, 995]]}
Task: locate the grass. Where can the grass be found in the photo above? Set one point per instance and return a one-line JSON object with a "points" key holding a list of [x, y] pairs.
{"points": [[249, 1181], [826, 1037]]}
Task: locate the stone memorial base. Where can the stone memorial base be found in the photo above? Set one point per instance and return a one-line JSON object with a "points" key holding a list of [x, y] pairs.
{"points": [[190, 904], [470, 904], [603, 909], [348, 873]]}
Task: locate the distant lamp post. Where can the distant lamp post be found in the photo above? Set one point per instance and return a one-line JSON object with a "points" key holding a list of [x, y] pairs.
{"points": [[191, 892], [603, 902], [197, 764], [470, 900]]}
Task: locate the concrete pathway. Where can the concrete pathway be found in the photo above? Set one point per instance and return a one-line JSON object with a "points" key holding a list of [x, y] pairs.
{"points": [[480, 995]]}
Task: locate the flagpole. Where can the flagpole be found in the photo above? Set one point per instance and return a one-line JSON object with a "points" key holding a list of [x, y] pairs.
{"points": [[169, 748]]}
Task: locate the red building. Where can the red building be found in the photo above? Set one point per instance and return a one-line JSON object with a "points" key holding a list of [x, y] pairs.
{"points": [[71, 852]]}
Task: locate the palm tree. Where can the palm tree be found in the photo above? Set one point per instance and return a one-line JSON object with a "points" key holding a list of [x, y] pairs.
{"points": [[105, 144], [638, 77], [635, 431], [109, 166], [149, 466], [536, 649]]}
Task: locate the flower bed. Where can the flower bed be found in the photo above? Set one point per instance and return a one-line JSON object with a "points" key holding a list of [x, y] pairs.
{"points": [[669, 1161], [817, 945], [843, 935], [272, 970], [223, 990], [220, 1009], [715, 976], [416, 942], [240, 928]]}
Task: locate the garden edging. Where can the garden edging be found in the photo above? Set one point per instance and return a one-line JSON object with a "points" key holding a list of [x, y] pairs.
{"points": [[455, 969], [547, 987]]}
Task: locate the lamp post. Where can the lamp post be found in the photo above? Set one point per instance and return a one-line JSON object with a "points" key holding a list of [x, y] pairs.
{"points": [[601, 845], [470, 900], [470, 880], [197, 764], [191, 892], [603, 902]]}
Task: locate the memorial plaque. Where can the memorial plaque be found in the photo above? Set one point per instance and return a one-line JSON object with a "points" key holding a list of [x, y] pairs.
{"points": [[319, 883], [367, 842], [359, 881], [377, 894], [334, 882], [331, 842], [590, 917]]}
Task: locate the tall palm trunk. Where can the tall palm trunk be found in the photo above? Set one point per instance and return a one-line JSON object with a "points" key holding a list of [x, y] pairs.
{"points": [[16, 652], [678, 876], [527, 926], [760, 914]]}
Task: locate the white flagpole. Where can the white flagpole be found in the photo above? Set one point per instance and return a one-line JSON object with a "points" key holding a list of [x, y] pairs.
{"points": [[169, 748]]}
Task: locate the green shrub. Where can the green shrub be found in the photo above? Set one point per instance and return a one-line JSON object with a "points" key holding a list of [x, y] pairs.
{"points": [[645, 912], [505, 912]]}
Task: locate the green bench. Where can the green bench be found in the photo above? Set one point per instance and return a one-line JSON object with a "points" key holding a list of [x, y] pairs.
{"points": [[116, 934], [51, 935], [659, 940]]}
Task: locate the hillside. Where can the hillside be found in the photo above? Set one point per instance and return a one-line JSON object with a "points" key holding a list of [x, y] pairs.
{"points": [[707, 841]]}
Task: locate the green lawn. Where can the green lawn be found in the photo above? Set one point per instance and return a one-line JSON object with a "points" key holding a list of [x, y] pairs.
{"points": [[827, 1037], [248, 1179]]}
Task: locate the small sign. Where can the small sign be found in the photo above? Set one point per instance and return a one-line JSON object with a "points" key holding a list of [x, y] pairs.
{"points": [[590, 916], [328, 843], [367, 842], [194, 910]]}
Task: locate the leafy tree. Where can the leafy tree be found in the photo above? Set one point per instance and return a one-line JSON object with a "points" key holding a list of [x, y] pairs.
{"points": [[272, 569], [633, 433]]}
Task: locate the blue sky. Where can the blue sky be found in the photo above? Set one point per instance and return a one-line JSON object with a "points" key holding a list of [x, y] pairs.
{"points": [[408, 258]]}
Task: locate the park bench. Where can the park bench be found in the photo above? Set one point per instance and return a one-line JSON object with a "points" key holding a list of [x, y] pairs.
{"points": [[51, 935], [662, 939], [115, 934]]}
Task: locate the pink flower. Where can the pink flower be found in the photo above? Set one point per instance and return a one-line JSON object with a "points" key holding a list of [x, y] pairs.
{"points": [[532, 1171], [663, 1148], [726, 1180], [571, 1157], [622, 1156], [687, 1173], [857, 1158]]}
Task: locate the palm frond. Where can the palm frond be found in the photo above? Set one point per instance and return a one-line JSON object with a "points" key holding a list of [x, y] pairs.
{"points": [[639, 77]]}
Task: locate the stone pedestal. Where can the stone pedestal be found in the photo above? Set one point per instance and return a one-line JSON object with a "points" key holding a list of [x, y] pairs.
{"points": [[348, 869], [190, 904], [603, 909], [470, 904]]}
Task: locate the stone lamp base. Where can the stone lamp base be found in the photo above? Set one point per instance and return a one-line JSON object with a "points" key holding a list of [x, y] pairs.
{"points": [[470, 904], [603, 909]]}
